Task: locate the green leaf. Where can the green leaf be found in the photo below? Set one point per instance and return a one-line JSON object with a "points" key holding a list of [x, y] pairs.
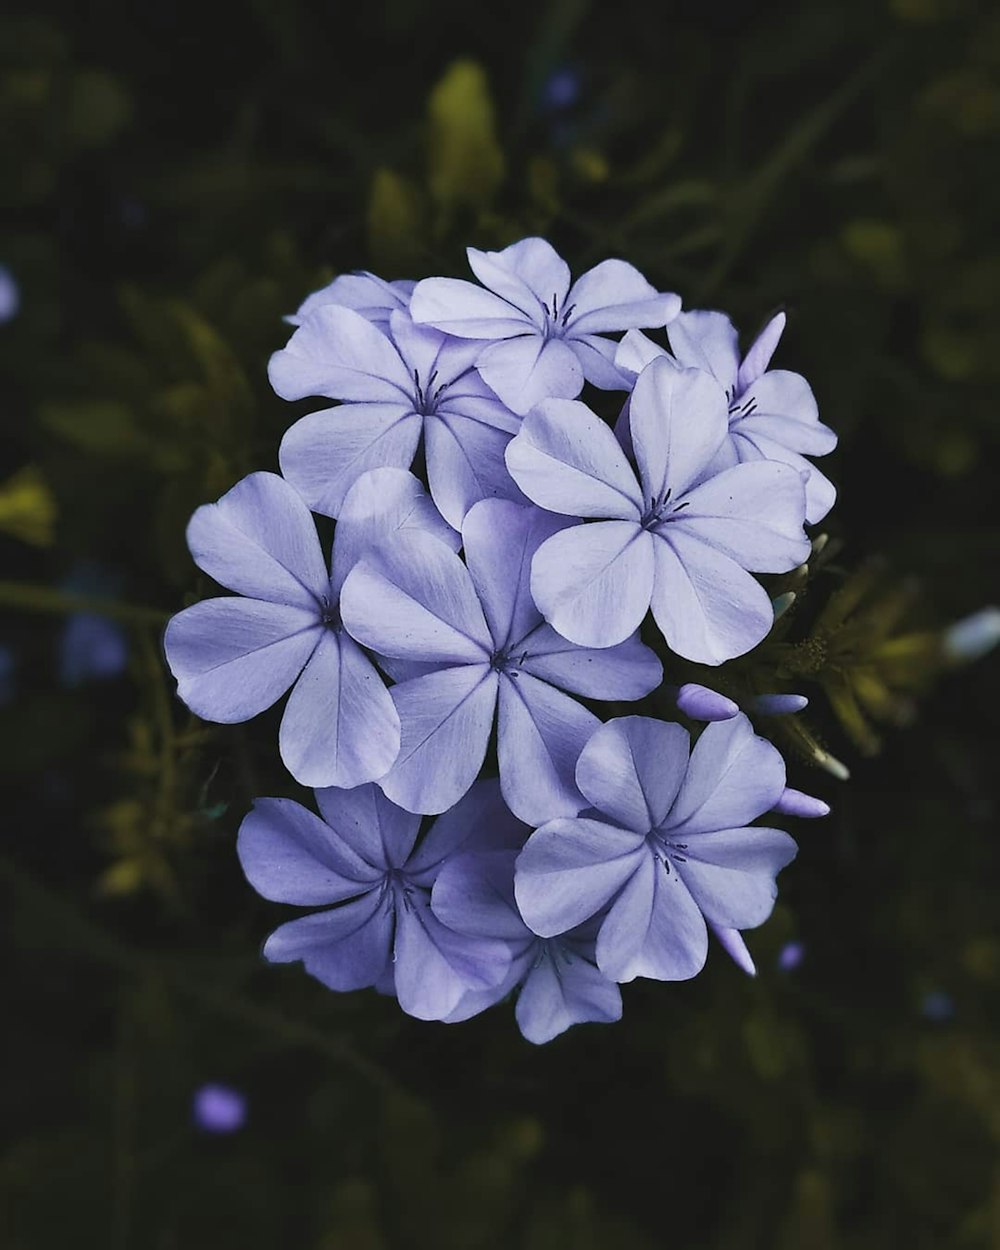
{"points": [[466, 165]]}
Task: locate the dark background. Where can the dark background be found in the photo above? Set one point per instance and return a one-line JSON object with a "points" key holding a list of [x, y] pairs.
{"points": [[173, 178]]}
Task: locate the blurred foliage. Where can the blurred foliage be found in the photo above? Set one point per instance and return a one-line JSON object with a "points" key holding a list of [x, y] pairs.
{"points": [[173, 180]]}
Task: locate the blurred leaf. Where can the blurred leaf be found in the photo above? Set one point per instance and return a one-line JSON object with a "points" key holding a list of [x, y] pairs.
{"points": [[396, 220], [465, 163], [28, 507]]}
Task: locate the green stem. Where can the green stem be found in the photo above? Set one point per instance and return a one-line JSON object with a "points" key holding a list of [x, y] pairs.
{"points": [[31, 598]]}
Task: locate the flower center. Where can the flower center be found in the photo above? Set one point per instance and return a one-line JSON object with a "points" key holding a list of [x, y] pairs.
{"points": [[738, 410], [503, 662], [661, 510], [329, 614], [556, 320], [666, 851], [427, 395]]}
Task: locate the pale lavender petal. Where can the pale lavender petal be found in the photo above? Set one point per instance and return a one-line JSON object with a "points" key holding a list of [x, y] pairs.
{"points": [[810, 438], [347, 948], [406, 670], [414, 599], [752, 513], [567, 460], [761, 350], [379, 505], [474, 893], [629, 670], [469, 396], [615, 296], [500, 539], [290, 856], [805, 806], [784, 394], [540, 734], [337, 353], [597, 360], [323, 454], [370, 296], [635, 351], [593, 583], [734, 776], [378, 830], [235, 657], [731, 872], [260, 540], [433, 359], [340, 726], [474, 1002], [677, 419], [465, 463], [479, 821], [707, 340], [562, 989], [820, 492], [632, 768], [653, 929], [435, 966], [524, 371], [466, 310], [445, 721], [776, 704], [570, 869], [700, 703], [731, 941], [529, 274], [707, 607]]}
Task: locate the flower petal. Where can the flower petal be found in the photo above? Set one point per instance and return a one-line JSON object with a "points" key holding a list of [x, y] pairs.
{"points": [[379, 505], [414, 599], [821, 494], [260, 540], [632, 768], [677, 419], [635, 351], [615, 296], [540, 734], [567, 460], [654, 929], [529, 274], [340, 726], [783, 394], [707, 340], [759, 355], [752, 513], [474, 893], [347, 948], [731, 872], [810, 438], [369, 295], [235, 657], [480, 821], [323, 454], [445, 722], [375, 828], [465, 463], [707, 607], [628, 671], [290, 856], [593, 583], [562, 989], [597, 360], [526, 370], [734, 776], [337, 353], [570, 869], [466, 310]]}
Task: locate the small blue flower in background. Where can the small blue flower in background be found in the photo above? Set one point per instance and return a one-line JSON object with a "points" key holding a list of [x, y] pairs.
{"points": [[219, 1109], [10, 295], [92, 647], [937, 1006], [791, 956], [561, 89], [8, 675]]}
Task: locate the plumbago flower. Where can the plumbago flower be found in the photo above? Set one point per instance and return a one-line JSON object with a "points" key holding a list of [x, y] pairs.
{"points": [[493, 657], [398, 388], [772, 413], [543, 337], [667, 848], [666, 536], [363, 860], [234, 657]]}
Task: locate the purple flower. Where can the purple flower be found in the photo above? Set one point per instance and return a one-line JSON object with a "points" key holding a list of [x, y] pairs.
{"points": [[234, 657], [368, 295], [791, 956], [397, 388], [557, 980], [92, 648], [666, 849], [772, 414], [550, 333], [493, 657], [363, 860], [667, 536], [219, 1109], [10, 295]]}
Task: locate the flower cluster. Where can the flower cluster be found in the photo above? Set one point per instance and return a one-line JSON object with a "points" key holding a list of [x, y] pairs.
{"points": [[499, 549]]}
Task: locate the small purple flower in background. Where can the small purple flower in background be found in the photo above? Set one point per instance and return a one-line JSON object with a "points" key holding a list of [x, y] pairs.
{"points": [[546, 336], [561, 89], [791, 956], [364, 862], [370, 296], [557, 979], [398, 388], [10, 295], [666, 537], [219, 1109], [415, 600], [93, 648], [937, 1006], [235, 657], [666, 849], [772, 414]]}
